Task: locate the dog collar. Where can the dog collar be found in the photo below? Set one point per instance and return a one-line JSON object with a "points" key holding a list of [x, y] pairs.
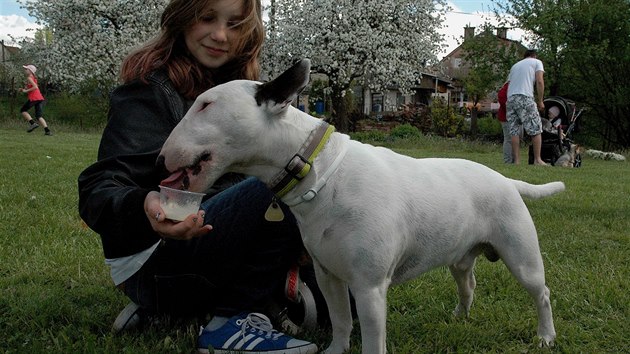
{"points": [[300, 164], [320, 183]]}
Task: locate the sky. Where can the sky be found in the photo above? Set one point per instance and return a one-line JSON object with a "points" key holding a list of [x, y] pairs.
{"points": [[470, 13], [16, 21]]}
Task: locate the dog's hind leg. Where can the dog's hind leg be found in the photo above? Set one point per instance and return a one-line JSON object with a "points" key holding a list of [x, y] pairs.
{"points": [[466, 283], [524, 260]]}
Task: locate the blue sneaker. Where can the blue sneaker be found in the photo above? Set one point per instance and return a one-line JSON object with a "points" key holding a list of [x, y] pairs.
{"points": [[251, 333]]}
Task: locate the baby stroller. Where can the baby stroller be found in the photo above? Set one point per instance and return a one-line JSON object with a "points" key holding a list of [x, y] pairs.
{"points": [[559, 121]]}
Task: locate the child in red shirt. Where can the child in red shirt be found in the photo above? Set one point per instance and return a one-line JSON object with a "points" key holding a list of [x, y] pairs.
{"points": [[35, 99]]}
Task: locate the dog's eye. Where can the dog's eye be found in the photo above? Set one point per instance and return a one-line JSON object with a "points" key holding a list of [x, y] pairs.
{"points": [[204, 105]]}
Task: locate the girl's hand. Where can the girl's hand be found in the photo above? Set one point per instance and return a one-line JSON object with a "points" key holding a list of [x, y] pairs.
{"points": [[191, 227]]}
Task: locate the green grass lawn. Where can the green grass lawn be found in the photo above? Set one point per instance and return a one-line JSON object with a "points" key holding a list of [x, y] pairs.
{"points": [[56, 295]]}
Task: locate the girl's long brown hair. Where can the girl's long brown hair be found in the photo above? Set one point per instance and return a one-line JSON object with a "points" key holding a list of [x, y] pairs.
{"points": [[168, 51]]}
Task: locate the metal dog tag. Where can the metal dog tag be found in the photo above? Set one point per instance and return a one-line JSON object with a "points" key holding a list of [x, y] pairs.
{"points": [[274, 212]]}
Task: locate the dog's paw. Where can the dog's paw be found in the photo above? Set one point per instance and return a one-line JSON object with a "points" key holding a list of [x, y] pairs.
{"points": [[336, 349], [460, 311], [547, 341]]}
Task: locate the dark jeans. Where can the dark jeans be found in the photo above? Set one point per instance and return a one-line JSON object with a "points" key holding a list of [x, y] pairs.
{"points": [[236, 267]]}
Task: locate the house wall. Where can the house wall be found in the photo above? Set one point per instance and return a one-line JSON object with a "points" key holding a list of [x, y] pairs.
{"points": [[391, 100], [7, 52], [455, 67]]}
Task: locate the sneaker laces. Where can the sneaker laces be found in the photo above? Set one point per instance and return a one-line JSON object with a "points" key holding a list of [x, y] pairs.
{"points": [[260, 322]]}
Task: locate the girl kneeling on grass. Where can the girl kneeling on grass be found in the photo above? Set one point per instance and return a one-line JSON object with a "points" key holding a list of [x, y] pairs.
{"points": [[226, 260]]}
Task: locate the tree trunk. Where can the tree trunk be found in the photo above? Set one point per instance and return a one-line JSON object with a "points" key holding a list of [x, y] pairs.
{"points": [[340, 112], [473, 120]]}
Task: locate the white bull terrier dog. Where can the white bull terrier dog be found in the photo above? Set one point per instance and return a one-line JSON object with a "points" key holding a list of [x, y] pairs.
{"points": [[369, 217]]}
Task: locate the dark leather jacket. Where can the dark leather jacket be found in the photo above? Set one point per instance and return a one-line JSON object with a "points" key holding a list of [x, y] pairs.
{"points": [[113, 189]]}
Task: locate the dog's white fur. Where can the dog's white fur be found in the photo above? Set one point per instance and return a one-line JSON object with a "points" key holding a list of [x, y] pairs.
{"points": [[381, 219]]}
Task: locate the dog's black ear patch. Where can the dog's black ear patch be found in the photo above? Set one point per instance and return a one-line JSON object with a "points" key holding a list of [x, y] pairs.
{"points": [[287, 86]]}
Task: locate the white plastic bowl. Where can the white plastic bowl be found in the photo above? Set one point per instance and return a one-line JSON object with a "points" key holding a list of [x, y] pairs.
{"points": [[178, 204]]}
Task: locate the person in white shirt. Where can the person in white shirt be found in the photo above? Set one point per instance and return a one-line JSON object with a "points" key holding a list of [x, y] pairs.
{"points": [[522, 106]]}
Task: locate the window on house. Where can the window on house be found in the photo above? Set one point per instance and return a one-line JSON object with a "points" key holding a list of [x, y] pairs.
{"points": [[377, 102], [400, 100]]}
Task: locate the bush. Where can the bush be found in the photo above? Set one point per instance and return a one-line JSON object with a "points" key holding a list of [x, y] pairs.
{"points": [[317, 94], [489, 126], [416, 115], [370, 136], [83, 111], [446, 122], [405, 131]]}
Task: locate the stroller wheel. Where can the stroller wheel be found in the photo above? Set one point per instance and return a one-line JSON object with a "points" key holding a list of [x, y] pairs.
{"points": [[305, 307], [302, 314], [578, 160]]}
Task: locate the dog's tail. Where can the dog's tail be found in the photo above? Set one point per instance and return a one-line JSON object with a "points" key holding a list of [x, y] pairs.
{"points": [[537, 191]]}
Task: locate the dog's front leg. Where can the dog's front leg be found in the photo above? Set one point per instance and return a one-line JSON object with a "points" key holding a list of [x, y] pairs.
{"points": [[372, 310], [335, 292]]}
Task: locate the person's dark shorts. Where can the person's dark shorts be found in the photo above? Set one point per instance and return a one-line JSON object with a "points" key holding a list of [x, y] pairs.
{"points": [[39, 107]]}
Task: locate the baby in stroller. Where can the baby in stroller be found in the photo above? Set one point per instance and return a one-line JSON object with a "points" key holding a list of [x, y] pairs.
{"points": [[559, 121], [552, 123]]}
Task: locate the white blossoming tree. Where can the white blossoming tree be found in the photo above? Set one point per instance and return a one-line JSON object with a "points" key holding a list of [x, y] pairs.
{"points": [[90, 38], [377, 44], [374, 43]]}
